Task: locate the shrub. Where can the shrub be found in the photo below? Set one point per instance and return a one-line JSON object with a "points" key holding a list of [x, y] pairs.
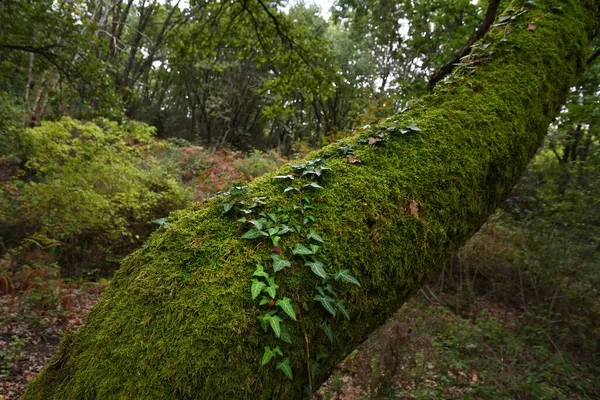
{"points": [[94, 187]]}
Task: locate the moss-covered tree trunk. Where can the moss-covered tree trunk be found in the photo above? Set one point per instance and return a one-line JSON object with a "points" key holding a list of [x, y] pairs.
{"points": [[178, 320]]}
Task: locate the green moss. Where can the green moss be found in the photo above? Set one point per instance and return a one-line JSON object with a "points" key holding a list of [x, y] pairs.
{"points": [[178, 321]]}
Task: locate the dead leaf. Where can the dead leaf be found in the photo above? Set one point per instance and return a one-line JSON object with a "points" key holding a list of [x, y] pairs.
{"points": [[531, 26], [372, 140], [414, 208], [353, 160], [277, 250]]}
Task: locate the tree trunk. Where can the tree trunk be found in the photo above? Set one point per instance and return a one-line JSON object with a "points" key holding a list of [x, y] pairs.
{"points": [[178, 320]]}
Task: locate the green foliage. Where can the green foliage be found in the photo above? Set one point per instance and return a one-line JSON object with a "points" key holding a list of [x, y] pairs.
{"points": [[84, 181]]}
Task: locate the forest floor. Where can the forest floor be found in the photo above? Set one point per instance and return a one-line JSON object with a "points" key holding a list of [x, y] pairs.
{"points": [[452, 341], [29, 336]]}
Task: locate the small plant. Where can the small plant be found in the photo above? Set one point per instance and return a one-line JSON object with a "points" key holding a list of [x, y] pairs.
{"points": [[283, 224]]}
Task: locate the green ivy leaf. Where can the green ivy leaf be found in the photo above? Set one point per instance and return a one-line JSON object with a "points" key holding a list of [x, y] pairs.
{"points": [[257, 287], [314, 248], [275, 240], [412, 127], [258, 223], [228, 206], [254, 234], [317, 268], [313, 185], [271, 290], [264, 301], [285, 335], [272, 231], [286, 305], [313, 235], [340, 306], [279, 263], [268, 355], [301, 250], [283, 229], [286, 368], [327, 302], [260, 271], [345, 276], [275, 322], [289, 189], [327, 330]]}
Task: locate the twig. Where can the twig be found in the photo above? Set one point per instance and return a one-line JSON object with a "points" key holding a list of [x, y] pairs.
{"points": [[307, 350]]}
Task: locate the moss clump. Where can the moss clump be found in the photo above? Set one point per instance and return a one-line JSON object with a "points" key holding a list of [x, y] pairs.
{"points": [[178, 321]]}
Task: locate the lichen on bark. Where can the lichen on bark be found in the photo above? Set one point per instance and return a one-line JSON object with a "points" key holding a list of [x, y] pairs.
{"points": [[178, 320]]}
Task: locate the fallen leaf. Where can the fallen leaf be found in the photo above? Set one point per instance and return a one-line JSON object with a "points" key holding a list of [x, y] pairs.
{"points": [[353, 160], [531, 27], [277, 250], [414, 208], [372, 140]]}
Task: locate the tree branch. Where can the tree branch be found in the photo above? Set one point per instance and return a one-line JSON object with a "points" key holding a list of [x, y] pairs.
{"points": [[490, 16]]}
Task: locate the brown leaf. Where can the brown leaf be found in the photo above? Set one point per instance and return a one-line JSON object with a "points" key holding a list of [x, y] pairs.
{"points": [[353, 160], [372, 140], [414, 208], [531, 26], [277, 250]]}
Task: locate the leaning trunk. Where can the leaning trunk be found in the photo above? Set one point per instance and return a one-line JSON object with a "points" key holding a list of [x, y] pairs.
{"points": [[178, 320]]}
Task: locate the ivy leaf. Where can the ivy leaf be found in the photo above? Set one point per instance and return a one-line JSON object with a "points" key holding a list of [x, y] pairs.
{"points": [[340, 306], [284, 229], [413, 127], [161, 222], [345, 276], [263, 301], [290, 176], [272, 231], [275, 240], [314, 248], [286, 305], [275, 322], [314, 185], [254, 234], [258, 223], [317, 268], [313, 235], [285, 335], [289, 189], [260, 271], [268, 355], [307, 219], [271, 290], [264, 324], [327, 303], [228, 206], [285, 367], [242, 220], [279, 263], [327, 330], [301, 250], [257, 287]]}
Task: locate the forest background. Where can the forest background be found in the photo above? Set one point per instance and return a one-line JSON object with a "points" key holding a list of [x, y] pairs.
{"points": [[115, 112]]}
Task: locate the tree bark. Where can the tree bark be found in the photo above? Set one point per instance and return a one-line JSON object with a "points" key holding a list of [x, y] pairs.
{"points": [[178, 320]]}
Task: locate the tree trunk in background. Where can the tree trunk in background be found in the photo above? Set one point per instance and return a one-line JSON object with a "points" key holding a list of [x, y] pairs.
{"points": [[178, 320]]}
